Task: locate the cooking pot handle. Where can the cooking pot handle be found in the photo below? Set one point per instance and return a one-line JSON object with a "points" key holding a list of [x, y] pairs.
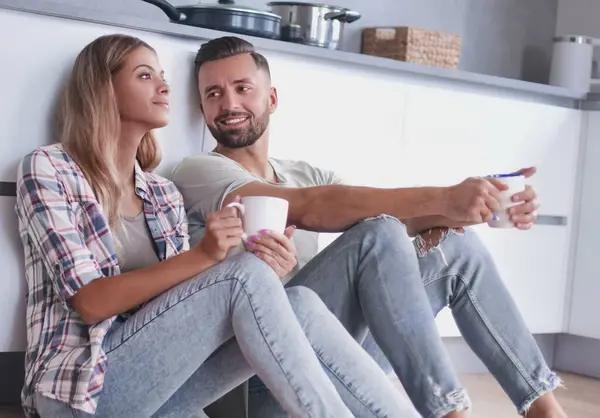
{"points": [[346, 16], [170, 10]]}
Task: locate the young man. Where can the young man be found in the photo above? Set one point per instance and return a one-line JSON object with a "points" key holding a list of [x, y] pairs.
{"points": [[371, 277]]}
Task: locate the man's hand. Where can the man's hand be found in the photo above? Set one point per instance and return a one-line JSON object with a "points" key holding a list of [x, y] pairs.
{"points": [[275, 249], [473, 201], [525, 214]]}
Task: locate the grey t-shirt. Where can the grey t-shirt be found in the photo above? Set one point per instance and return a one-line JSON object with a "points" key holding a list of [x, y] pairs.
{"points": [[137, 243], [206, 179]]}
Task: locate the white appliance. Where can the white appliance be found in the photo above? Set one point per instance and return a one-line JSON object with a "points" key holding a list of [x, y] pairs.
{"points": [[572, 63]]}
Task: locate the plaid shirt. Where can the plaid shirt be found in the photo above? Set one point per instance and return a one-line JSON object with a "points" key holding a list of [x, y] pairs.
{"points": [[67, 244]]}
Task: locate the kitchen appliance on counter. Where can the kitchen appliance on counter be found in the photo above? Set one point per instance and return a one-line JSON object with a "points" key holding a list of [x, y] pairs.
{"points": [[226, 16], [572, 63], [314, 24]]}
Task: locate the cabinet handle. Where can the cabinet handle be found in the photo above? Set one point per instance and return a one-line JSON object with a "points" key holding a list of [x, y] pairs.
{"points": [[8, 188], [551, 220]]}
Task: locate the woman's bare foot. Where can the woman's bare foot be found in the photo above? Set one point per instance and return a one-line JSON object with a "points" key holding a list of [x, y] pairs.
{"points": [[546, 406]]}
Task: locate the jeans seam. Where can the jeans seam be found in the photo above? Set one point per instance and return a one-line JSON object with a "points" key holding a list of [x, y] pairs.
{"points": [[167, 310], [307, 408], [509, 353], [343, 382]]}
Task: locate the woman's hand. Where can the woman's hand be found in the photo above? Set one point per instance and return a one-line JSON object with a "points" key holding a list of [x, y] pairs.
{"points": [[223, 232], [275, 249]]}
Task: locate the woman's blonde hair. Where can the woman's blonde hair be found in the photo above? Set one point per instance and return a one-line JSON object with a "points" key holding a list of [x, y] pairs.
{"points": [[89, 121]]}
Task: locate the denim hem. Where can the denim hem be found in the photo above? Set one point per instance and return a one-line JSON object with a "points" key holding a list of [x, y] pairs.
{"points": [[457, 400], [550, 385]]}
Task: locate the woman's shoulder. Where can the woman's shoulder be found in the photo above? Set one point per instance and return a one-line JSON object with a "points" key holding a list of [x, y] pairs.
{"points": [[163, 188], [47, 160]]}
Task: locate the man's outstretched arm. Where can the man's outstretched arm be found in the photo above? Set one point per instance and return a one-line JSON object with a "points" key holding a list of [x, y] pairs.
{"points": [[336, 208]]}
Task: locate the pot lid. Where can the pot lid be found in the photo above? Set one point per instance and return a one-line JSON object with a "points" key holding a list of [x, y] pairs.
{"points": [[230, 5], [576, 39], [300, 3]]}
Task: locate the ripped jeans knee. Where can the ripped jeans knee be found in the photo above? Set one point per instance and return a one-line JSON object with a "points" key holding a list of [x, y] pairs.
{"points": [[430, 240]]}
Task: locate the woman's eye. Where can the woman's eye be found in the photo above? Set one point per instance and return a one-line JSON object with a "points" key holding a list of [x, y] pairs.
{"points": [[146, 76]]}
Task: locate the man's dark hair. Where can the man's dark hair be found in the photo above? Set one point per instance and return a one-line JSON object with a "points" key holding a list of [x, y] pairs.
{"points": [[229, 46]]}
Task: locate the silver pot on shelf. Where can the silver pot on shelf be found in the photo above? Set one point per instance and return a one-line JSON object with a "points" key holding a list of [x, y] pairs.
{"points": [[319, 25]]}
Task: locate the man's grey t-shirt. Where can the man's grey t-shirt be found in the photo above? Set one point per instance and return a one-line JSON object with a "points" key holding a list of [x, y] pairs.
{"points": [[205, 180]]}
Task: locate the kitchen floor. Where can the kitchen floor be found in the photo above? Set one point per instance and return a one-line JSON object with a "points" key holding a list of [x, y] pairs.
{"points": [[581, 399]]}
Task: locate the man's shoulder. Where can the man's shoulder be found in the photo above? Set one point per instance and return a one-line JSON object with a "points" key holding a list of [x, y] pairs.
{"points": [[305, 173], [202, 164]]}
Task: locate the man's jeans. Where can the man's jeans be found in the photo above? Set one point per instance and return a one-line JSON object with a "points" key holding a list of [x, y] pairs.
{"points": [[177, 354], [373, 278]]}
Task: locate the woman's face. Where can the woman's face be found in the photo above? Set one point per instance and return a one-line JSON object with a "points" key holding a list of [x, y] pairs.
{"points": [[141, 91]]}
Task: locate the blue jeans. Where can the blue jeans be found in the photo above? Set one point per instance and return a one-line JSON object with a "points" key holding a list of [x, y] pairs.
{"points": [[197, 341], [374, 279]]}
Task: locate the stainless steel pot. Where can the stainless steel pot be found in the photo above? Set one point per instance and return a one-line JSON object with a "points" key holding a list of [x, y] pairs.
{"points": [[313, 24], [225, 16]]}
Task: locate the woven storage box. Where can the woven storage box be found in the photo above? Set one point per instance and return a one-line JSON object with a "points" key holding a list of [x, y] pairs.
{"points": [[420, 46]]}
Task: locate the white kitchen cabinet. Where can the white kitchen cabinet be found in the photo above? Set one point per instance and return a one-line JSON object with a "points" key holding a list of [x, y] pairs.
{"points": [[585, 302], [13, 285], [347, 121], [451, 135]]}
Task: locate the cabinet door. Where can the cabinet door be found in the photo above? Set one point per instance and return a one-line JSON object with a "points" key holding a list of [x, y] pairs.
{"points": [[585, 319], [350, 123], [451, 135], [13, 287]]}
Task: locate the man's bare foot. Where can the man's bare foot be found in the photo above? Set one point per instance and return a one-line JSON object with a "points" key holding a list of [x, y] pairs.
{"points": [[546, 406]]}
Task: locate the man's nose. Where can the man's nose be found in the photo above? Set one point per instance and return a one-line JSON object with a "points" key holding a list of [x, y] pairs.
{"points": [[229, 101]]}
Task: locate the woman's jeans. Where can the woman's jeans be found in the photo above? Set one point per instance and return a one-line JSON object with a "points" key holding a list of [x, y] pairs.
{"points": [[196, 342]]}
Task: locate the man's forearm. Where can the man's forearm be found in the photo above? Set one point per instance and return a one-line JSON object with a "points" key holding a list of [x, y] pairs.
{"points": [[336, 208]]}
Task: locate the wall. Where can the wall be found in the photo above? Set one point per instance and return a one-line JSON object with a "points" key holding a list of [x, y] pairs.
{"points": [[579, 17], [500, 37]]}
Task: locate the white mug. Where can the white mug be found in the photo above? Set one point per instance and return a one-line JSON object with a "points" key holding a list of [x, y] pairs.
{"points": [[262, 212], [516, 184], [572, 63]]}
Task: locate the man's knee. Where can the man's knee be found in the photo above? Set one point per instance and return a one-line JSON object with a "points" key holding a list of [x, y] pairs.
{"points": [[429, 240], [383, 227]]}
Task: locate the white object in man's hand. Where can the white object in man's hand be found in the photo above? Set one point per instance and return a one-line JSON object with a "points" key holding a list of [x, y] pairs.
{"points": [[275, 249]]}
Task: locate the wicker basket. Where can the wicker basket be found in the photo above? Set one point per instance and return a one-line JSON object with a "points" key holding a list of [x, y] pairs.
{"points": [[420, 46]]}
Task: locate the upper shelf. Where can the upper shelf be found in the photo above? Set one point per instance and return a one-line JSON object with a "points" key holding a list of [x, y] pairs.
{"points": [[551, 94]]}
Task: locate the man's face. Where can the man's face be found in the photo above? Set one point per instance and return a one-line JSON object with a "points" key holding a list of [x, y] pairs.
{"points": [[236, 99]]}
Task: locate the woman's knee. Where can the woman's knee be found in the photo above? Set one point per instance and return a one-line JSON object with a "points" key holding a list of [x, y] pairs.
{"points": [[306, 303], [252, 272]]}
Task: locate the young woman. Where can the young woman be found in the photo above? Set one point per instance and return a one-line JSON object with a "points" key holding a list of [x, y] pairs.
{"points": [[124, 319]]}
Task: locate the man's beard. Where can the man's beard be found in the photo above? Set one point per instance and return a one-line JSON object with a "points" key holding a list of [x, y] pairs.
{"points": [[242, 137]]}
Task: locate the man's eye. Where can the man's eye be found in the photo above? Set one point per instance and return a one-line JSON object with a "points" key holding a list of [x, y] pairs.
{"points": [[212, 94], [244, 88]]}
